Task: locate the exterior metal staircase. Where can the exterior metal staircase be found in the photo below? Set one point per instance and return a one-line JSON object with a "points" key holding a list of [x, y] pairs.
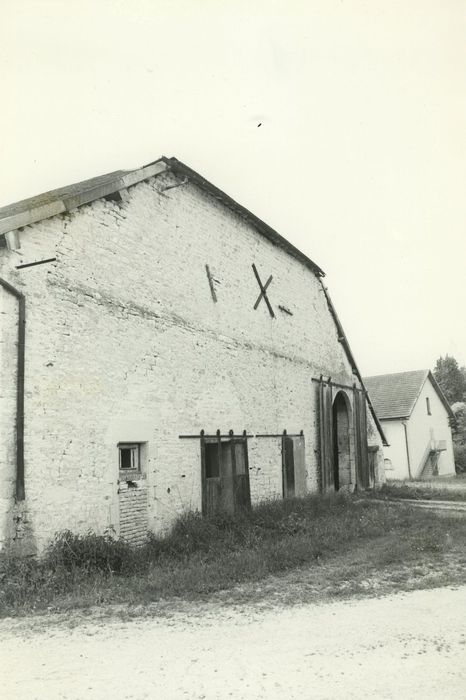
{"points": [[429, 462]]}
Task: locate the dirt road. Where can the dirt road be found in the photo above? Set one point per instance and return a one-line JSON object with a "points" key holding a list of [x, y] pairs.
{"points": [[402, 646]]}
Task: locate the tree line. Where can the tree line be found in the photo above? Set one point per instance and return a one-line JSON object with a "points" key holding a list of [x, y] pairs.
{"points": [[452, 380]]}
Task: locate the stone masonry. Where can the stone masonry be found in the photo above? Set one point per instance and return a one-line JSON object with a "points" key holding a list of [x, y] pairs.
{"points": [[125, 344]]}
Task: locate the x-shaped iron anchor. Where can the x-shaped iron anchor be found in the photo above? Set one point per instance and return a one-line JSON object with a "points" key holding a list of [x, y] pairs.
{"points": [[263, 294]]}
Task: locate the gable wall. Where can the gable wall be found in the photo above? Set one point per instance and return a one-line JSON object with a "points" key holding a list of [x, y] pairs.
{"points": [[124, 343], [422, 427]]}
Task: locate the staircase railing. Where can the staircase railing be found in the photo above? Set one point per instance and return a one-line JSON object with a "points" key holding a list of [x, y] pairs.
{"points": [[428, 465]]}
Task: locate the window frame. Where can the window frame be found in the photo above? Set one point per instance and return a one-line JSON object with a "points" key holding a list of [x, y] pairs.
{"points": [[429, 412], [133, 472]]}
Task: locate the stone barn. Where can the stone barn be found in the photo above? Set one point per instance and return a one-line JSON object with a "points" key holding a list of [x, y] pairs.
{"points": [[163, 349]]}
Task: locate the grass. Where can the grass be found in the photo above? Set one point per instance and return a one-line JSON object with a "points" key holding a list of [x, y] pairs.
{"points": [[419, 491], [326, 546]]}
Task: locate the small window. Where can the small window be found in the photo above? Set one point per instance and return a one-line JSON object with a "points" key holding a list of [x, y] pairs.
{"points": [[428, 406], [129, 456], [388, 466]]}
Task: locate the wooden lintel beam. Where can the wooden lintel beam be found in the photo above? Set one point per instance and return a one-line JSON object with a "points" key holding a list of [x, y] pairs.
{"points": [[263, 289]]}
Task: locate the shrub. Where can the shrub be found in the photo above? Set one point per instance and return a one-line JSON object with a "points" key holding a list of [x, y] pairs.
{"points": [[200, 555], [90, 552], [460, 458]]}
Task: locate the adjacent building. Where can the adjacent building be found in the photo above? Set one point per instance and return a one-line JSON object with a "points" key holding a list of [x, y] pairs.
{"points": [[416, 420]]}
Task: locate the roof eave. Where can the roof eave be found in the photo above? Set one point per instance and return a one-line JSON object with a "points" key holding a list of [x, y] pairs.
{"points": [[123, 179], [393, 418], [442, 397], [344, 341], [180, 168], [69, 202], [426, 374]]}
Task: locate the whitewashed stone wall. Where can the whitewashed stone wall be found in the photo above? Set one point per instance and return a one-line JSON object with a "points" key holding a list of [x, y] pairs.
{"points": [[8, 367], [124, 343]]}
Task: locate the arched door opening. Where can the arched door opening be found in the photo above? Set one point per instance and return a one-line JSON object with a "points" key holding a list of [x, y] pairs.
{"points": [[341, 442]]}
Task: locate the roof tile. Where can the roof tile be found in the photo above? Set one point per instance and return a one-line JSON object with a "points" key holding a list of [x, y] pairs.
{"points": [[394, 395]]}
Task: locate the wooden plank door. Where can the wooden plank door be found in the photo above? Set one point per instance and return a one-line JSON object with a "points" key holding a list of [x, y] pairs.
{"points": [[372, 454], [326, 436], [225, 476], [293, 466], [242, 495], [210, 476], [362, 456], [288, 482]]}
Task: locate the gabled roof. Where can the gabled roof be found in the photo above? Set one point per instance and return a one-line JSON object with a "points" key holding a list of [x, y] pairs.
{"points": [[180, 169], [395, 395], [43, 206]]}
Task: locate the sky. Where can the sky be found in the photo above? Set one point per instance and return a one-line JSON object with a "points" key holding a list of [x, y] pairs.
{"points": [[341, 123]]}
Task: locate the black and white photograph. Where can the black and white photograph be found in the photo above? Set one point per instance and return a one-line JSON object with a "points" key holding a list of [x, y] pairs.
{"points": [[232, 349]]}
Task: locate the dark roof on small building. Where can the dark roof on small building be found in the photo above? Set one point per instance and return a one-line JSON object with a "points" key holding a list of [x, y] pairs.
{"points": [[395, 395]]}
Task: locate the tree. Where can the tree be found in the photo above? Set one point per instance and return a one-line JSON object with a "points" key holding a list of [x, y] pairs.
{"points": [[459, 436], [451, 378]]}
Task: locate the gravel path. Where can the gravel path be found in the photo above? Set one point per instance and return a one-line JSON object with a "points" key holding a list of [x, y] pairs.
{"points": [[406, 645], [447, 508]]}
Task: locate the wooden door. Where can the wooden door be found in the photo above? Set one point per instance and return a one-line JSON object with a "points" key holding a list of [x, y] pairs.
{"points": [[225, 476], [242, 496], [372, 454], [293, 466], [288, 467], [362, 456], [326, 446]]}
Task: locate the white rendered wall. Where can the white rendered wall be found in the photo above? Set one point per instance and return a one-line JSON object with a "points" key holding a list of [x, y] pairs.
{"points": [[396, 452], [422, 428]]}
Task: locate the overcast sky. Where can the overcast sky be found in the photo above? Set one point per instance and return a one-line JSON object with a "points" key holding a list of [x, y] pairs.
{"points": [[359, 159]]}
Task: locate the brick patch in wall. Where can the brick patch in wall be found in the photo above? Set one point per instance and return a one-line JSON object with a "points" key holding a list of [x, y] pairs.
{"points": [[133, 513]]}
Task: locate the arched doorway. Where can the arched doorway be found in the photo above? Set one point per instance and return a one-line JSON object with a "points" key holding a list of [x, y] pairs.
{"points": [[341, 413]]}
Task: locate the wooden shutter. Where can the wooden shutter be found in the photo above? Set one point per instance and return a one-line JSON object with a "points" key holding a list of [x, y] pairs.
{"points": [[300, 483], [242, 497], [362, 457], [225, 476], [294, 466], [326, 436], [288, 467], [372, 453]]}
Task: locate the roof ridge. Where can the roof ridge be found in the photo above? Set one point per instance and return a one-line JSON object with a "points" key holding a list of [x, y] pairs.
{"points": [[394, 395], [392, 374], [58, 201]]}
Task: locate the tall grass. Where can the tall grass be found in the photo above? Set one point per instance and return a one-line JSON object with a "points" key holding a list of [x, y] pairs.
{"points": [[201, 555]]}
